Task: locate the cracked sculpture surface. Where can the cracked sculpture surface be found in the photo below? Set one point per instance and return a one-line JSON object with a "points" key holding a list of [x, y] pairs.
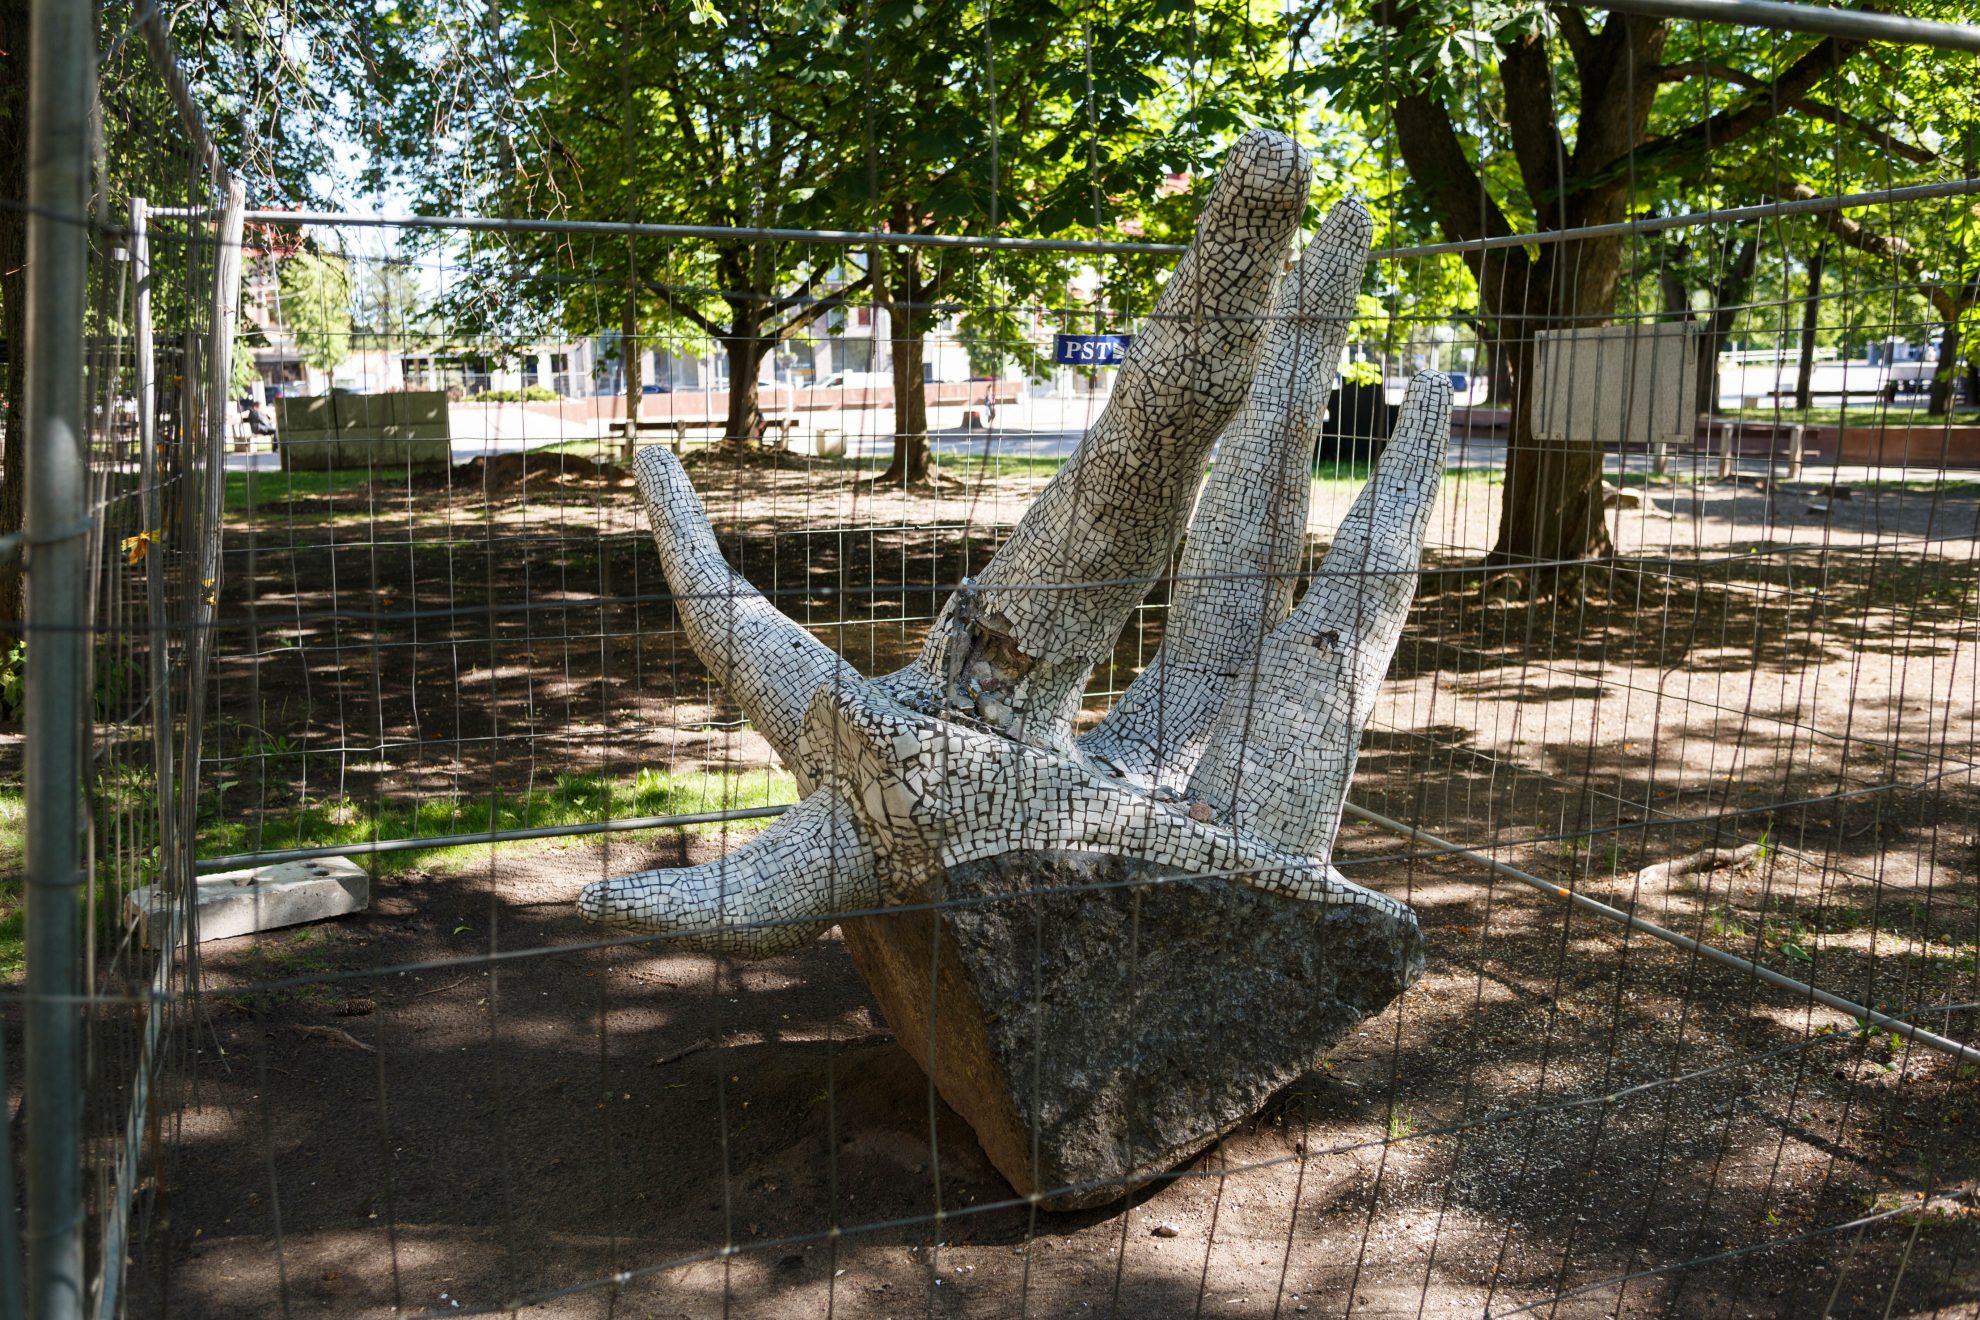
{"points": [[1226, 763]]}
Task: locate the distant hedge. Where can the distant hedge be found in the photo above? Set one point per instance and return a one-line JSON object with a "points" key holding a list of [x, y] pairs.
{"points": [[528, 394]]}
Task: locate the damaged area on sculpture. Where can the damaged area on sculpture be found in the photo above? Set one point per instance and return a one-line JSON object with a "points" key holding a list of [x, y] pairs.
{"points": [[1207, 800]]}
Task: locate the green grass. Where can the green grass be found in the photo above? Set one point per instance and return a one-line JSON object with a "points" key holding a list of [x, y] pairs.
{"points": [[268, 489], [610, 449], [571, 800], [1355, 474], [13, 857], [1912, 415], [968, 466]]}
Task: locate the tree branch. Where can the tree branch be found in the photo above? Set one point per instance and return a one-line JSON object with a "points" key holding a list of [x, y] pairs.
{"points": [[681, 307], [1305, 26], [1574, 30], [812, 311], [1820, 109], [1765, 104], [1871, 243], [802, 291], [1464, 210], [1535, 128]]}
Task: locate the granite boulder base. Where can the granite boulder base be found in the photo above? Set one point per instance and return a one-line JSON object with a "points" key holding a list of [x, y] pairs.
{"points": [[1099, 1021]]}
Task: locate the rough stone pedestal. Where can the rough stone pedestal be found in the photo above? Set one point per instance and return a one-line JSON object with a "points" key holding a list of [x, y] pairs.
{"points": [[1097, 1039]]}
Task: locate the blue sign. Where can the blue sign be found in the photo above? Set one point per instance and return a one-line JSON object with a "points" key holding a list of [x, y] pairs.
{"points": [[1090, 350]]}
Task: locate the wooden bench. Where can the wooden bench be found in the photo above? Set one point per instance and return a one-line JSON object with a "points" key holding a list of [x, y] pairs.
{"points": [[778, 427]]}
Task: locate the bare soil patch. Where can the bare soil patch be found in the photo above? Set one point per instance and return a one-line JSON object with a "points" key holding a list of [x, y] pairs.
{"points": [[1557, 1105]]}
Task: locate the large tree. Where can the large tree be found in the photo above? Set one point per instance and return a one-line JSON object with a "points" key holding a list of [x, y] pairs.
{"points": [[1519, 118], [317, 301], [269, 77], [1026, 118], [621, 112]]}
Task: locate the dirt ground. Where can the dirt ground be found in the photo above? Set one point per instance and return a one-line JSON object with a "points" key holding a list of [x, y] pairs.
{"points": [[378, 1118]]}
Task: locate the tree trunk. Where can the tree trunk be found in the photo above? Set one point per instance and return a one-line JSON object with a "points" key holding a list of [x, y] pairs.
{"points": [[1491, 364], [1727, 294], [629, 356], [745, 351], [912, 460], [1811, 309], [1552, 507], [1551, 510], [1939, 402], [1677, 300], [1498, 380], [13, 294]]}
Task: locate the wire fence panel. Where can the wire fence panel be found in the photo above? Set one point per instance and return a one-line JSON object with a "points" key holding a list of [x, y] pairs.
{"points": [[156, 323], [1565, 1107], [1674, 765]]}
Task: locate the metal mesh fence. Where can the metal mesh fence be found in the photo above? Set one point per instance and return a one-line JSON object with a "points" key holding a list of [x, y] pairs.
{"points": [[1562, 1108], [122, 584], [1689, 823]]}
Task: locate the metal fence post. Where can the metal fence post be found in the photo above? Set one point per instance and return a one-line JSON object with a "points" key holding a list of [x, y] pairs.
{"points": [[143, 354], [62, 55], [212, 495]]}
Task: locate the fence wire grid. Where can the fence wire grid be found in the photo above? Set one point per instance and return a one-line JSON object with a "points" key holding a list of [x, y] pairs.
{"points": [[1689, 822]]}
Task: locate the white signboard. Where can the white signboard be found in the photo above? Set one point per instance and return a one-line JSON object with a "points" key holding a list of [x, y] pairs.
{"points": [[1617, 384]]}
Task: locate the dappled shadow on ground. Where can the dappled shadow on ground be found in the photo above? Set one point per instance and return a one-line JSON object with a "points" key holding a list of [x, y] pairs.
{"points": [[1727, 611], [478, 639], [404, 640], [1816, 510], [584, 1114]]}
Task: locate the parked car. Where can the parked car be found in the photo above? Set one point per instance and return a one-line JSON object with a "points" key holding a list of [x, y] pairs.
{"points": [[855, 380]]}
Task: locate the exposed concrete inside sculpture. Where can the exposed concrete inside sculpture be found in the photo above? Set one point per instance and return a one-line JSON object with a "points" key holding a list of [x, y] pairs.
{"points": [[1209, 797]]}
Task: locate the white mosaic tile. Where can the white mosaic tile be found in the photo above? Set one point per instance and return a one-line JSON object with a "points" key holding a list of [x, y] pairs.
{"points": [[1229, 756]]}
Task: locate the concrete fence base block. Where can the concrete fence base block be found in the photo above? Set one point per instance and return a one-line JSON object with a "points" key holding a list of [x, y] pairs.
{"points": [[260, 898]]}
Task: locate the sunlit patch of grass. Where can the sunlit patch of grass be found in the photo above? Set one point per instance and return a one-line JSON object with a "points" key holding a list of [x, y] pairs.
{"points": [[1328, 475], [13, 857], [1724, 924], [1913, 415], [1957, 1211], [999, 465], [599, 449], [272, 490], [570, 800]]}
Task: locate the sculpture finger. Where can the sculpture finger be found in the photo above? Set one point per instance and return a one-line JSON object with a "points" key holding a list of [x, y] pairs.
{"points": [[775, 893], [1286, 742], [1235, 580], [932, 794], [1014, 648], [766, 662]]}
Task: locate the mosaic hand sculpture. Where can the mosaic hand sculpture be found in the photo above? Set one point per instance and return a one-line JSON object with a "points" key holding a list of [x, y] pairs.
{"points": [[1229, 755]]}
